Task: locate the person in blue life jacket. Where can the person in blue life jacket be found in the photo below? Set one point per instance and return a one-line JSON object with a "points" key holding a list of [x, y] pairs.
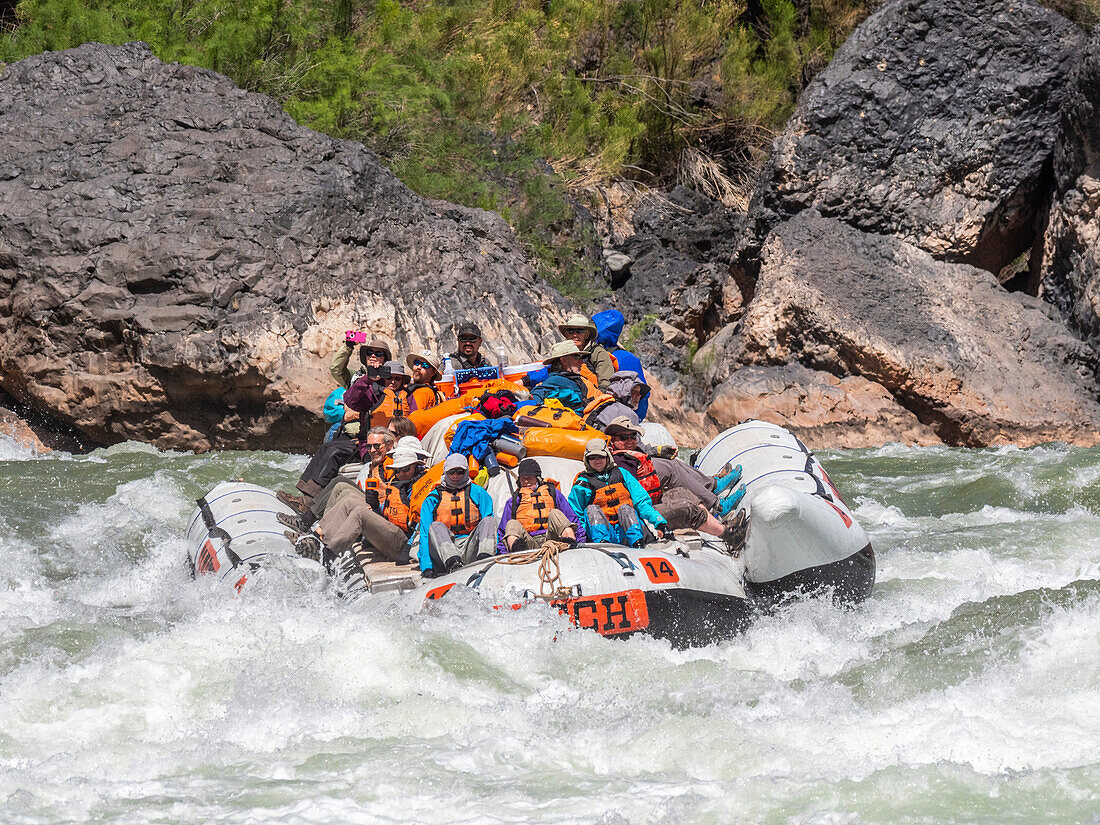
{"points": [[457, 525], [564, 380], [612, 500], [609, 326]]}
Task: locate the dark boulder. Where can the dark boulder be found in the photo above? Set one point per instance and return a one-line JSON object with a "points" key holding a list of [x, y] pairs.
{"points": [[179, 258], [1070, 269], [935, 123]]}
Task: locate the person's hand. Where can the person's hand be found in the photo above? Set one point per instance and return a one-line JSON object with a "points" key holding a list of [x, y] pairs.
{"points": [[665, 451], [372, 499], [664, 534]]}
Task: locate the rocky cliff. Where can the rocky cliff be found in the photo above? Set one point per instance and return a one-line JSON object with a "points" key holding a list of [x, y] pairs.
{"points": [[908, 195], [179, 258]]}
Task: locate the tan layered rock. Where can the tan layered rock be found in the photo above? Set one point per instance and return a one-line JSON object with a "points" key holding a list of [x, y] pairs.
{"points": [[973, 363]]}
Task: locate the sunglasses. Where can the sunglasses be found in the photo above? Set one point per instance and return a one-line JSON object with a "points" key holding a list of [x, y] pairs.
{"points": [[467, 339], [456, 472], [424, 365], [375, 447]]}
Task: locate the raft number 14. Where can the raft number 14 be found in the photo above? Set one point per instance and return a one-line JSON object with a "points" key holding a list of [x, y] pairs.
{"points": [[660, 571]]}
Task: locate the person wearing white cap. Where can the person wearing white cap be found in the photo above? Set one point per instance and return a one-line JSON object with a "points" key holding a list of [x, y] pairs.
{"points": [[457, 524], [612, 500], [384, 520]]}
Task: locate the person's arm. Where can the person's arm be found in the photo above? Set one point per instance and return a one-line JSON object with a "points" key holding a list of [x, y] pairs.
{"points": [[338, 369], [427, 513], [364, 395], [641, 500], [603, 366], [579, 499], [562, 503], [483, 500], [505, 517]]}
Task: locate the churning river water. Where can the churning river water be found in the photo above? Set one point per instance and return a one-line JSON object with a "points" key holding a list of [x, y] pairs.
{"points": [[967, 689]]}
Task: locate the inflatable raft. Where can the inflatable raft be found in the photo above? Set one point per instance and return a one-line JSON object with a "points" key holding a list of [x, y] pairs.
{"points": [[800, 539]]}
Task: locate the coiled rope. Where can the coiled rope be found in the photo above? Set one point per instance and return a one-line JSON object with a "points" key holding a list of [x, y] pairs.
{"points": [[550, 586]]}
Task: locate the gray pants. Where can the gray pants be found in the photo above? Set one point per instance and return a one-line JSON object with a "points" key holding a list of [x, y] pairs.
{"points": [[674, 473], [324, 499], [681, 509], [349, 518], [443, 546]]}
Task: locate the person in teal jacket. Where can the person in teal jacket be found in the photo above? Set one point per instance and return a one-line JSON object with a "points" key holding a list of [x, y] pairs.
{"points": [[457, 524], [612, 500]]}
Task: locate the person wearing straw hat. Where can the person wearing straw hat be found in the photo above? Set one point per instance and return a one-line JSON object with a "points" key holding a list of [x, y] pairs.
{"points": [[612, 500], [457, 524], [564, 381], [426, 370], [598, 362], [373, 354]]}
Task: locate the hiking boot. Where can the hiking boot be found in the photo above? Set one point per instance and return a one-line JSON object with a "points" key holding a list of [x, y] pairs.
{"points": [[725, 505], [296, 503], [293, 522], [735, 534], [308, 547], [731, 476]]}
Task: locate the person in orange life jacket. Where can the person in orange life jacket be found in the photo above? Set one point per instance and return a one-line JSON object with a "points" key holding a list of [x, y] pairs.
{"points": [[457, 524], [537, 509], [469, 353], [564, 380], [383, 519], [378, 442], [426, 370], [612, 500], [581, 331], [683, 482], [681, 508], [395, 377]]}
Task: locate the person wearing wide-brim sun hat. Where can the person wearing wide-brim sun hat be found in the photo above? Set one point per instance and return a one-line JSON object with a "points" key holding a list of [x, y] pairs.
{"points": [[564, 381], [426, 370], [598, 363]]}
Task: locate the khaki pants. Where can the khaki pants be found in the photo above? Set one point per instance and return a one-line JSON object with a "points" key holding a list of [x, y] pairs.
{"points": [[681, 509], [557, 524], [351, 517]]}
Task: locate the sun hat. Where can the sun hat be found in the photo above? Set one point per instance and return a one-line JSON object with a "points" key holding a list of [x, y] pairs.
{"points": [[623, 424], [577, 321], [560, 350], [424, 355]]}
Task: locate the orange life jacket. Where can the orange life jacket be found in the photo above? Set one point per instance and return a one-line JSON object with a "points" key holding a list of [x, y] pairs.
{"points": [[607, 495], [457, 510], [596, 398], [423, 397], [376, 479], [396, 511], [646, 474], [531, 508], [393, 404]]}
